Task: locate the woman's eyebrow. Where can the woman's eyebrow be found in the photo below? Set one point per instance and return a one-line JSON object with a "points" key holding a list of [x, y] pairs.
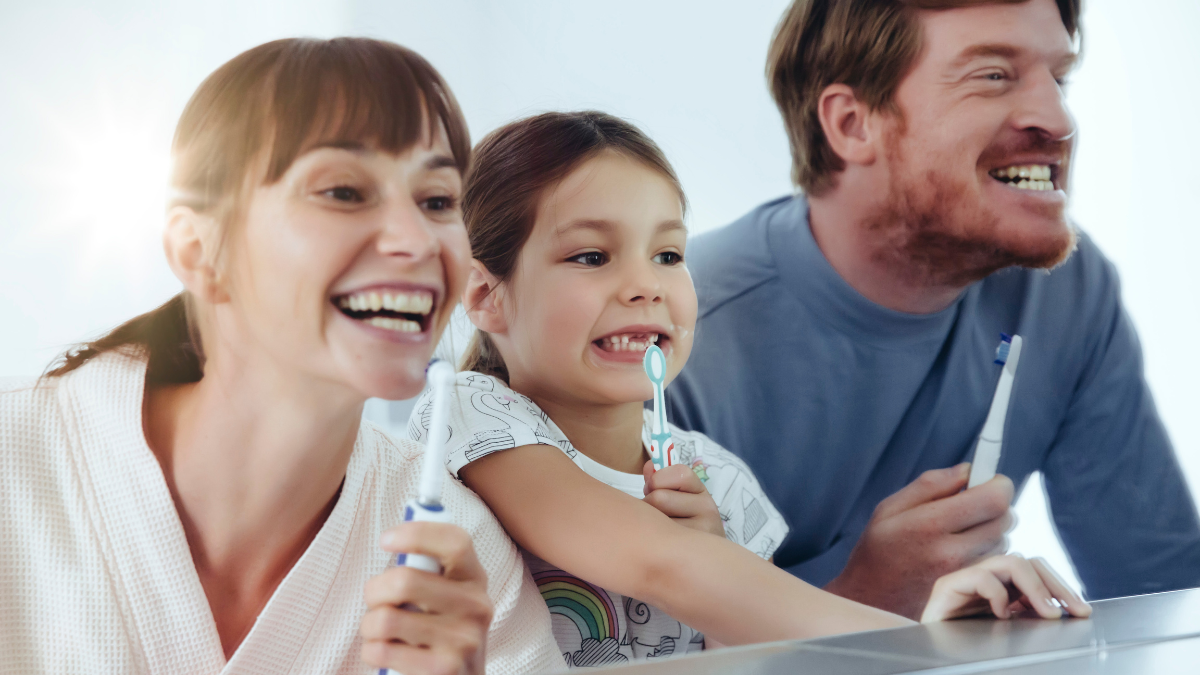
{"points": [[440, 162]]}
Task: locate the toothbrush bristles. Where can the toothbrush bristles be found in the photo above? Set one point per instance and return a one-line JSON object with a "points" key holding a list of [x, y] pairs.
{"points": [[1002, 350]]}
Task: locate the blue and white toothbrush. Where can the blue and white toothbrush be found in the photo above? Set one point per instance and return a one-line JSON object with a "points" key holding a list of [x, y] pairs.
{"points": [[662, 446], [427, 507], [991, 438]]}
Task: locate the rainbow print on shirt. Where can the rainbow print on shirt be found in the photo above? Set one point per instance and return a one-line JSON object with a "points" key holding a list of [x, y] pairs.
{"points": [[588, 606]]}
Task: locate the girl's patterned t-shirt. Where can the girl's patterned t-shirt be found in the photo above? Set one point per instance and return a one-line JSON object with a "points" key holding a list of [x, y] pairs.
{"points": [[593, 626]]}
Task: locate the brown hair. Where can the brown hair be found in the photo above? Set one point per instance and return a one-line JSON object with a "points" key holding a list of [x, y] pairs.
{"points": [[869, 45], [513, 166], [259, 112]]}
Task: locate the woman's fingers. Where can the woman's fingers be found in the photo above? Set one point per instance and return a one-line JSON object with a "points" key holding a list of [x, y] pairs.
{"points": [[386, 623], [399, 586], [412, 660], [448, 544], [1075, 605]]}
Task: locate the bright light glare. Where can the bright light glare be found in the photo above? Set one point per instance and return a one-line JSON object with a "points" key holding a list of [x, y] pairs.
{"points": [[105, 178]]}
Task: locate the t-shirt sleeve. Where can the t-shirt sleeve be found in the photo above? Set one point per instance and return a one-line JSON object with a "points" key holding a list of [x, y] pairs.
{"points": [[485, 416], [749, 516], [1119, 499]]}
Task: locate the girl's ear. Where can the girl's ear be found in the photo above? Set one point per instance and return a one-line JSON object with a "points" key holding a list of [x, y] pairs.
{"points": [[190, 255], [484, 300]]}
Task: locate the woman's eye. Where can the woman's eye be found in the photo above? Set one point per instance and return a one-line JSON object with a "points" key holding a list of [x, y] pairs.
{"points": [[589, 259], [994, 77], [344, 193], [439, 203], [668, 258]]}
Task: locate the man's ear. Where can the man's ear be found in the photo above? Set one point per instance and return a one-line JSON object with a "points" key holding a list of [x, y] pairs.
{"points": [[484, 300], [848, 125], [189, 244]]}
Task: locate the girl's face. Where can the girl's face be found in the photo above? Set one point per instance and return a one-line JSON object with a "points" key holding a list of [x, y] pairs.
{"points": [[601, 278], [347, 266]]}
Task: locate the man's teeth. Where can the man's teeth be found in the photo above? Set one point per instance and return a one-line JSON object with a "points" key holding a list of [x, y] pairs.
{"points": [[628, 343], [398, 325], [1026, 176], [419, 302]]}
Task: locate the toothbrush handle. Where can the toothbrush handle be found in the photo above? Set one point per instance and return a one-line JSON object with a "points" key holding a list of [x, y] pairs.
{"points": [[415, 511]]}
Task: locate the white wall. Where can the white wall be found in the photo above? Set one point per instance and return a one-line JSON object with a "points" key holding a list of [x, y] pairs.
{"points": [[91, 91]]}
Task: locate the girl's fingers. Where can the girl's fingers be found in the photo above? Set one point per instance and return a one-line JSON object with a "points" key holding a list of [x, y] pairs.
{"points": [[1028, 583], [1075, 605], [678, 477], [429, 593], [681, 504], [965, 593], [446, 543]]}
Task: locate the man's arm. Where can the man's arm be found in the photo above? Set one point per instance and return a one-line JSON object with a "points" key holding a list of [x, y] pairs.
{"points": [[1117, 495]]}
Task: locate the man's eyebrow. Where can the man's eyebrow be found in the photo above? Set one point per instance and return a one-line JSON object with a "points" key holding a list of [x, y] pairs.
{"points": [[976, 51]]}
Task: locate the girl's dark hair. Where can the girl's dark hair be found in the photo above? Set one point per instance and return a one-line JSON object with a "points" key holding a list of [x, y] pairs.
{"points": [[255, 115], [512, 168]]}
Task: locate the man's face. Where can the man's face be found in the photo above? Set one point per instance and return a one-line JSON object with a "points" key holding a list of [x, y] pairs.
{"points": [[978, 158]]}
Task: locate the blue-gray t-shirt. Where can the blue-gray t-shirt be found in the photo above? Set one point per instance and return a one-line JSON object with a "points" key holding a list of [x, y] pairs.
{"points": [[836, 402]]}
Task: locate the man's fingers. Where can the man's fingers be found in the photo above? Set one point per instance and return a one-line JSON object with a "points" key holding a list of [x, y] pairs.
{"points": [[675, 477], [929, 486], [448, 544], [971, 508], [1075, 605], [427, 593], [985, 539]]}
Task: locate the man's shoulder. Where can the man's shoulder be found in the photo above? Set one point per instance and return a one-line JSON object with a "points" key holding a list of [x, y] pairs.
{"points": [[728, 262]]}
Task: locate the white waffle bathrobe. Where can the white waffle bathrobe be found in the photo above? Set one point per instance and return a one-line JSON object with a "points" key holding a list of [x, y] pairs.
{"points": [[96, 575]]}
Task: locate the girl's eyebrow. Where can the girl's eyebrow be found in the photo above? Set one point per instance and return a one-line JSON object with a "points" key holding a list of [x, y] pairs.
{"points": [[606, 226]]}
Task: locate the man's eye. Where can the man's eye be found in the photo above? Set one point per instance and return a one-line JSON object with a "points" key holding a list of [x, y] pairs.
{"points": [[668, 258], [344, 193], [442, 203], [590, 259]]}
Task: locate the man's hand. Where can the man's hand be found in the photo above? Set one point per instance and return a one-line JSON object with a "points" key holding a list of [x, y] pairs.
{"points": [[677, 492], [417, 622], [925, 531]]}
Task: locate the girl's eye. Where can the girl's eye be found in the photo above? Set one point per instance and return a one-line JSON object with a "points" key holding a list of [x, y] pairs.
{"points": [[442, 203], [668, 258], [590, 259], [345, 194]]}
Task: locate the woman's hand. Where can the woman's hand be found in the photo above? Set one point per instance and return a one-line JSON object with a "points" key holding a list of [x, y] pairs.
{"points": [[1002, 584], [677, 492], [417, 622]]}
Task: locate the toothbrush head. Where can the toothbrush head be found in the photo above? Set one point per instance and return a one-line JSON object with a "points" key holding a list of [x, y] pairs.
{"points": [[1002, 349], [655, 364]]}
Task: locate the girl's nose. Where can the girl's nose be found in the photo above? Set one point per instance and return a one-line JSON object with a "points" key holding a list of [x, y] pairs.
{"points": [[643, 286]]}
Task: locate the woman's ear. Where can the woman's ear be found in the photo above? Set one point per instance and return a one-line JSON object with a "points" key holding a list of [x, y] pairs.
{"points": [[848, 125], [484, 300], [188, 243]]}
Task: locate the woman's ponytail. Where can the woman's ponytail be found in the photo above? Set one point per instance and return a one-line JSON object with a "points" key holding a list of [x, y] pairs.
{"points": [[165, 335]]}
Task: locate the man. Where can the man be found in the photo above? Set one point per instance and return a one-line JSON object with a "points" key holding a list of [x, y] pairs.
{"points": [[846, 341]]}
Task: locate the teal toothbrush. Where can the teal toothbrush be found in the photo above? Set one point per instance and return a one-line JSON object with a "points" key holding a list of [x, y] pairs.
{"points": [[662, 447]]}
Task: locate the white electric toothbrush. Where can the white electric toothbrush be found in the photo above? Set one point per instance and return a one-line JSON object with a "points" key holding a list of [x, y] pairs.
{"points": [[427, 507], [991, 438], [662, 446]]}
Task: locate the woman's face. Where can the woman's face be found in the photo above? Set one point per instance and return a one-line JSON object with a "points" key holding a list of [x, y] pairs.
{"points": [[600, 279], [347, 267]]}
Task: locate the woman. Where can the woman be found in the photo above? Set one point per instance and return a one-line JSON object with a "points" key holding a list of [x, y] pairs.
{"points": [[195, 491]]}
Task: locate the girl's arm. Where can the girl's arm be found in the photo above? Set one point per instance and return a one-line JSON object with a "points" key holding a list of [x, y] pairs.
{"points": [[560, 514]]}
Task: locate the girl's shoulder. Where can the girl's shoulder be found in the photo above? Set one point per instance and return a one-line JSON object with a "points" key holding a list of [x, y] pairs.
{"points": [[485, 416]]}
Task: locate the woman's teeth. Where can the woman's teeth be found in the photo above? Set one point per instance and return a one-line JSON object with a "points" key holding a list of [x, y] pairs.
{"points": [[1035, 177], [630, 342], [398, 325], [420, 302]]}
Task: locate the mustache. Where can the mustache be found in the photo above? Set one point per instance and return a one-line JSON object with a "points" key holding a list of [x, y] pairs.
{"points": [[1031, 141]]}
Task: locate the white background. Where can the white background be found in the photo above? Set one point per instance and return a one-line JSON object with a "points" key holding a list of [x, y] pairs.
{"points": [[90, 93]]}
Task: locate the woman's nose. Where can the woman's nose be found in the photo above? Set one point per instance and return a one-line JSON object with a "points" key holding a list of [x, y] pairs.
{"points": [[406, 232]]}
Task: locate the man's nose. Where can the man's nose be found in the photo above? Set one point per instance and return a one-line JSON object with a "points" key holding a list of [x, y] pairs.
{"points": [[405, 232], [1043, 108]]}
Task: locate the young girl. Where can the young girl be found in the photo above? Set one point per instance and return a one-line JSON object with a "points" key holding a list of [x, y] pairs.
{"points": [[576, 226]]}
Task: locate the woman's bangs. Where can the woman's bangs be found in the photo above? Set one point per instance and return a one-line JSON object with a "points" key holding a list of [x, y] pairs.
{"points": [[351, 92]]}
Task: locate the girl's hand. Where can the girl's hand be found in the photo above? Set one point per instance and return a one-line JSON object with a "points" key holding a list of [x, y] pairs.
{"points": [[1002, 584], [417, 622], [677, 492]]}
